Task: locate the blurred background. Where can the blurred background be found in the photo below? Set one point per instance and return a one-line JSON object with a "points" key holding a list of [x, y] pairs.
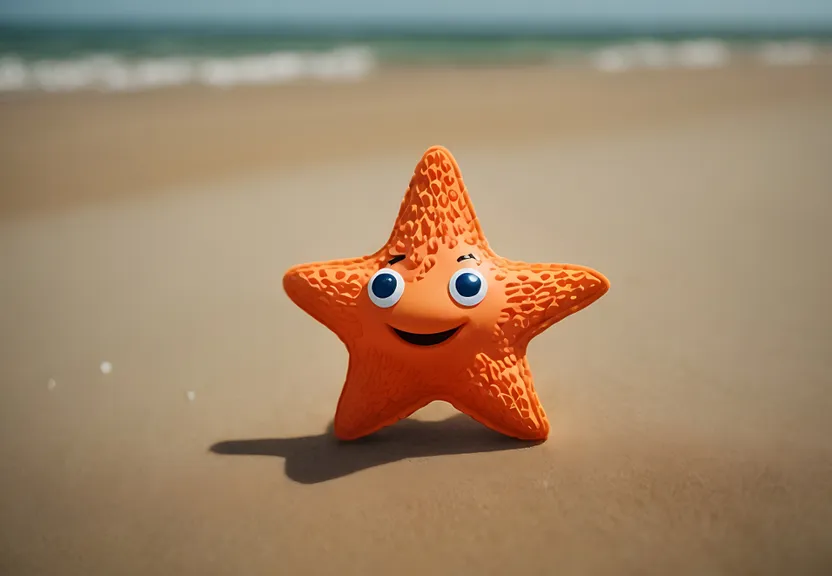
{"points": [[163, 162], [326, 77]]}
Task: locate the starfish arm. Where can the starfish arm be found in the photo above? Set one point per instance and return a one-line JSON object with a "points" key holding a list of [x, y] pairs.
{"points": [[328, 291], [540, 295], [500, 395], [378, 392]]}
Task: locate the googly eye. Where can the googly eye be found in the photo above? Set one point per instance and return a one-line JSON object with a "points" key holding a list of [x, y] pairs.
{"points": [[468, 287], [385, 288]]}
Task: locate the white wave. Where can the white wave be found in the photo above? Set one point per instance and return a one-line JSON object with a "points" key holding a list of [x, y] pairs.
{"points": [[115, 74], [13, 74], [613, 59], [703, 53], [788, 53], [653, 54]]}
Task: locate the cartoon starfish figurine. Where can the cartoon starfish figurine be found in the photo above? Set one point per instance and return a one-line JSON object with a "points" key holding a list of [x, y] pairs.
{"points": [[436, 315]]}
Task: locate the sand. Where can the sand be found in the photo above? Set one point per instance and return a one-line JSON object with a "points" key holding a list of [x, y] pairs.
{"points": [[690, 406]]}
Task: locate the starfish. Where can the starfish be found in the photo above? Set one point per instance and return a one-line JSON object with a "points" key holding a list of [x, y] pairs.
{"points": [[436, 314]]}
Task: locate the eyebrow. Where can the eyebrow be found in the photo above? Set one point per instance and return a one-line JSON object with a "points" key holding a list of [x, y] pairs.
{"points": [[466, 257], [396, 258]]}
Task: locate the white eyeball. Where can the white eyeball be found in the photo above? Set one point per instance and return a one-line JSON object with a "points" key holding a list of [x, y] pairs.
{"points": [[385, 287], [468, 287]]}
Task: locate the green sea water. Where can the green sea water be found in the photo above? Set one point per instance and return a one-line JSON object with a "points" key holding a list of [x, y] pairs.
{"points": [[129, 58], [428, 44]]}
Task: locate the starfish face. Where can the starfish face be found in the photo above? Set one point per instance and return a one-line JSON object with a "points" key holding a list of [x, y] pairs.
{"points": [[435, 314]]}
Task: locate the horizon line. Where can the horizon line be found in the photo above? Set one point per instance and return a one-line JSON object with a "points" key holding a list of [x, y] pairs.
{"points": [[426, 27]]}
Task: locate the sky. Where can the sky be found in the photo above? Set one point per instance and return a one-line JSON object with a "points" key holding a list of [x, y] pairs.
{"points": [[767, 12]]}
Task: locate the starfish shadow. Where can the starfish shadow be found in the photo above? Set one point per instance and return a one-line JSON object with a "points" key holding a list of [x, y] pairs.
{"points": [[315, 459]]}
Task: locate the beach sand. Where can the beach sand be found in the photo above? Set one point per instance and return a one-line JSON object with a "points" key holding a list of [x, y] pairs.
{"points": [[690, 406]]}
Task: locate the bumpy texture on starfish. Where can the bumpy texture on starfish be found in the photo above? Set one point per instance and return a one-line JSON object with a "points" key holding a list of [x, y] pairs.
{"points": [[436, 315]]}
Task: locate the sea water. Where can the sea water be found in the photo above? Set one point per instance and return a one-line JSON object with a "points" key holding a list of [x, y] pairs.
{"points": [[61, 59]]}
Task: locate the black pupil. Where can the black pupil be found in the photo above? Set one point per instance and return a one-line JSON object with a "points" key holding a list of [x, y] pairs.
{"points": [[384, 285], [468, 285]]}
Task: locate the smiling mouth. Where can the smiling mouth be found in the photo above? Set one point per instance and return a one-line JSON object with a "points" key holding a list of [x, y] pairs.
{"points": [[425, 339]]}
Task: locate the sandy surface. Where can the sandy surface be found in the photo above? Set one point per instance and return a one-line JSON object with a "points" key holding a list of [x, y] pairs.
{"points": [[690, 406]]}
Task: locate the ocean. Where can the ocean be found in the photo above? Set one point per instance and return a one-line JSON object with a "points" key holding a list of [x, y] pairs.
{"points": [[116, 59]]}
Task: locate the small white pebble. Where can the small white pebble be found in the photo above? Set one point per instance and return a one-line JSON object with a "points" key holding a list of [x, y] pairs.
{"points": [[191, 395], [106, 367], [51, 384]]}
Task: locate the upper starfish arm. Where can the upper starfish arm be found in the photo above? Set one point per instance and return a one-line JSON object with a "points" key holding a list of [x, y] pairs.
{"points": [[329, 291], [539, 295]]}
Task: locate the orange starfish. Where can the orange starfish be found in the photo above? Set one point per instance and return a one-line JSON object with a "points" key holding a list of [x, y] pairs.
{"points": [[436, 315]]}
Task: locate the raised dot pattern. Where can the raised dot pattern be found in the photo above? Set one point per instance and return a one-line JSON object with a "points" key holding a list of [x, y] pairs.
{"points": [[435, 211], [538, 295], [329, 290]]}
